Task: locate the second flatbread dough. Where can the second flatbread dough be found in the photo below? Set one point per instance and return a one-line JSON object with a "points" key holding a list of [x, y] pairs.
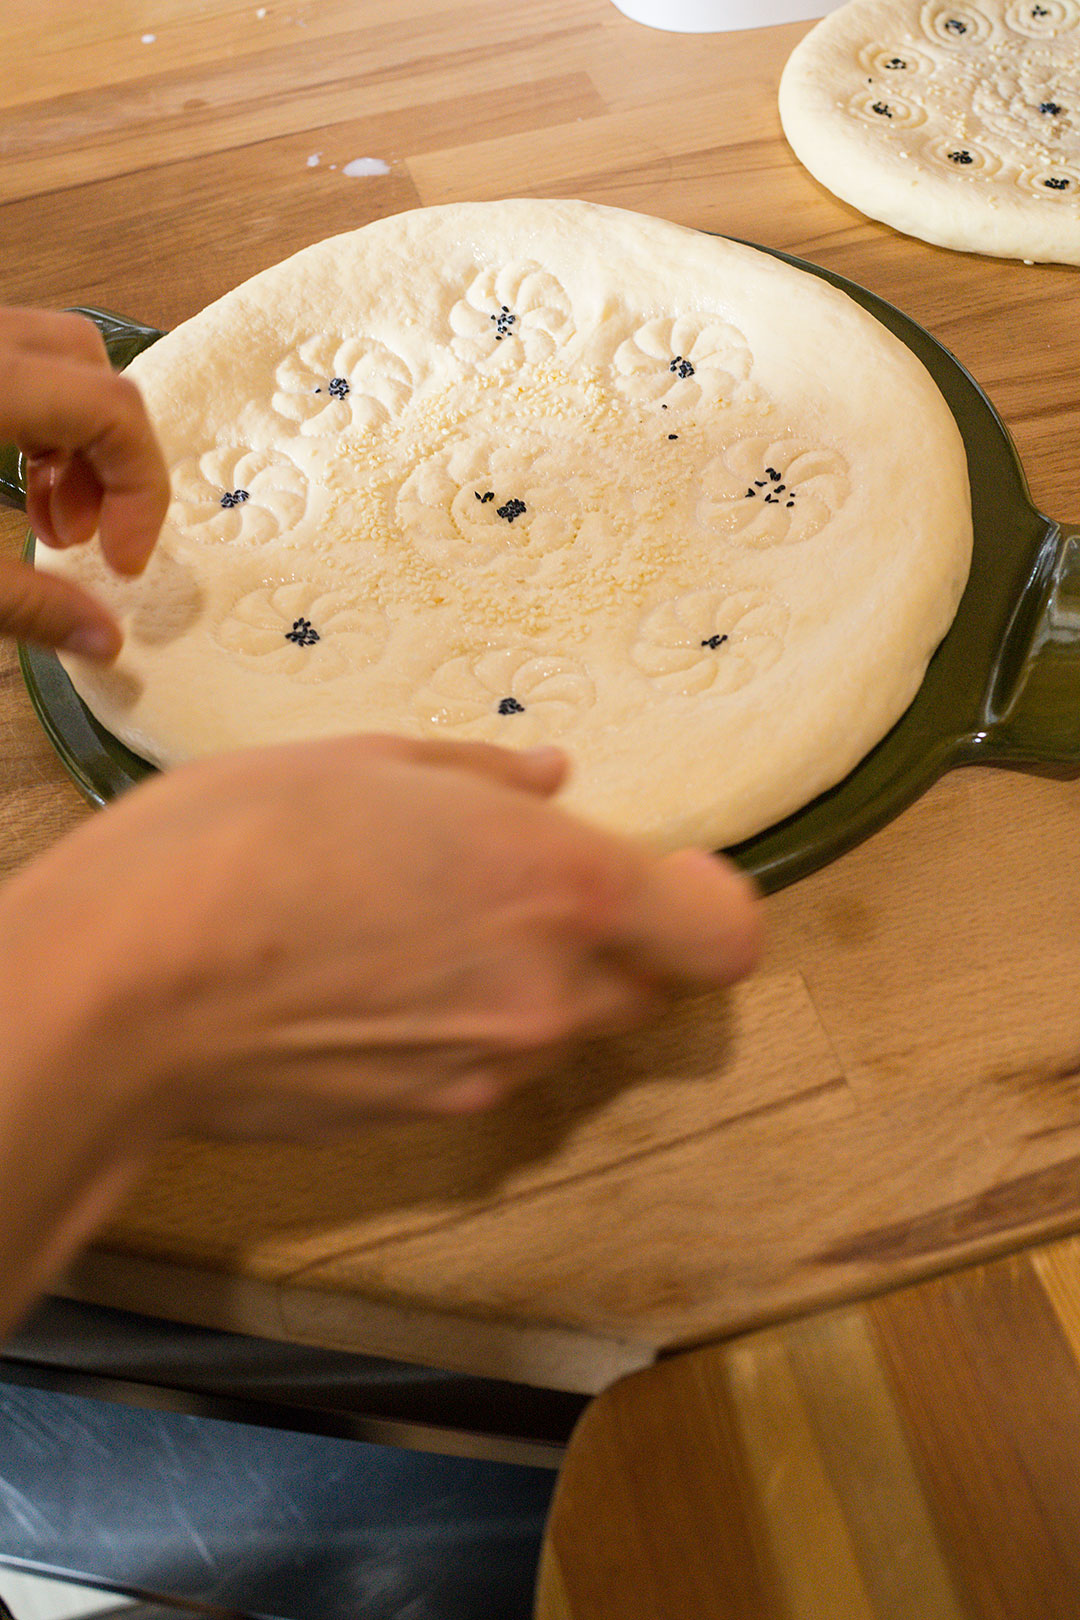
{"points": [[959, 124]]}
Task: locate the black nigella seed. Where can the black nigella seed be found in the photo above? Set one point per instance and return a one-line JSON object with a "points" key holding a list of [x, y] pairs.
{"points": [[234, 497], [511, 509], [962, 156], [714, 642], [339, 387], [896, 62], [1050, 108], [681, 367], [955, 26], [503, 322], [882, 110], [1039, 11], [303, 633], [488, 495], [510, 705], [1056, 183], [673, 435], [773, 486]]}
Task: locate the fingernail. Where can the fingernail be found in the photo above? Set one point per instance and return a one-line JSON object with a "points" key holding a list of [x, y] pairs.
{"points": [[92, 641], [129, 567], [545, 755], [49, 464]]}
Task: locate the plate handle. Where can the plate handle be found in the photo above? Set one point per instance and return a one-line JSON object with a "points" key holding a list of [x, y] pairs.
{"points": [[1032, 711], [124, 339]]}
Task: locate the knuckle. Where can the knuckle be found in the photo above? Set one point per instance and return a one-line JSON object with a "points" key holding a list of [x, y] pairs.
{"points": [[595, 891], [78, 332]]}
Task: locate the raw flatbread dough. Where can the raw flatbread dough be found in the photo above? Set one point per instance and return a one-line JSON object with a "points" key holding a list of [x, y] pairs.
{"points": [[544, 472], [959, 124]]}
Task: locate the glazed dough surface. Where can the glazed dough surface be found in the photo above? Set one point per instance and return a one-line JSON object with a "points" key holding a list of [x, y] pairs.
{"points": [[959, 124], [544, 472]]}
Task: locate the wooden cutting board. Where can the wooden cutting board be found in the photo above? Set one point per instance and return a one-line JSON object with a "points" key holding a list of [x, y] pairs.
{"points": [[897, 1459], [897, 1089]]}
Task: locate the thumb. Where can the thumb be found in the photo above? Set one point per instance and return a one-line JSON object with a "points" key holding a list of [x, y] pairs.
{"points": [[41, 607], [695, 923]]}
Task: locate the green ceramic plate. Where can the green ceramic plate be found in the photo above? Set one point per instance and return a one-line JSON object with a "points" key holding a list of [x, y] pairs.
{"points": [[1002, 689]]}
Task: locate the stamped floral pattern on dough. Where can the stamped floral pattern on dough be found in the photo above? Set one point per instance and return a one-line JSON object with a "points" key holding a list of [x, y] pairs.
{"points": [[1022, 93], [1015, 106], [517, 312], [684, 359], [331, 384], [308, 631], [1042, 19], [880, 105], [896, 65], [472, 502], [515, 695], [1053, 181], [961, 26], [229, 494], [769, 492], [710, 641], [962, 155]]}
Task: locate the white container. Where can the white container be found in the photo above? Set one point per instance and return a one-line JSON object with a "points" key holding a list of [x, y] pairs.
{"points": [[720, 16]]}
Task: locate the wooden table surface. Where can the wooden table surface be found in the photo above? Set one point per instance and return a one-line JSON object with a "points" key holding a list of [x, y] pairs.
{"points": [[896, 1091]]}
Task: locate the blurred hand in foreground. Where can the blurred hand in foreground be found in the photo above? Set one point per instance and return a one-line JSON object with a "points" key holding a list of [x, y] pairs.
{"points": [[292, 941]]}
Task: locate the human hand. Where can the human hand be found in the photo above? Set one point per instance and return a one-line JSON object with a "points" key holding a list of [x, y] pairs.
{"points": [[295, 940], [311, 934], [93, 465]]}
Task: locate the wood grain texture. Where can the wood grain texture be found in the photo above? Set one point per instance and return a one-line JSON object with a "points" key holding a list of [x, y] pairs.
{"points": [[897, 1091], [990, 1393], [659, 1476], [911, 1458]]}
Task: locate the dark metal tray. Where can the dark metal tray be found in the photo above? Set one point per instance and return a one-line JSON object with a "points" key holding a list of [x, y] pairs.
{"points": [[1002, 689]]}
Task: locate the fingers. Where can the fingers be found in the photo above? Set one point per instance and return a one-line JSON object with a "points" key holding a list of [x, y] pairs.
{"points": [[63, 499], [75, 498], [539, 770], [56, 404], [63, 494], [695, 922], [57, 332], [40, 607], [41, 475]]}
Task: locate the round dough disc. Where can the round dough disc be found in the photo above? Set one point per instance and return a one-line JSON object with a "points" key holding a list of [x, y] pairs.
{"points": [[544, 472], [959, 124]]}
